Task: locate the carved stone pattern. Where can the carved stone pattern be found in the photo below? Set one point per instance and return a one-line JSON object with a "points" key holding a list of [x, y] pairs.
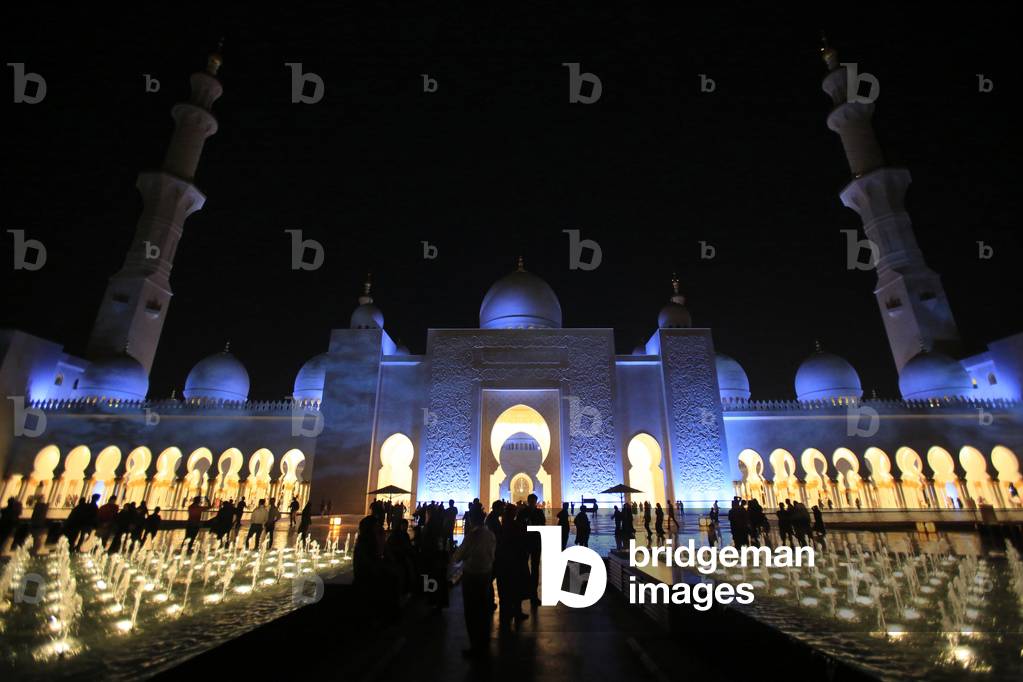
{"points": [[591, 462], [694, 404]]}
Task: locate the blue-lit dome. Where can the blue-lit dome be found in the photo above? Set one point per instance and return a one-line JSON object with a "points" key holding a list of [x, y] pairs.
{"points": [[933, 375], [218, 377], [732, 379], [520, 300], [824, 376], [311, 378], [122, 377]]}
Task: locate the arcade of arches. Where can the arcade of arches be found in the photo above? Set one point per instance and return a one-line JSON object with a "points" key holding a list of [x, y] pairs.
{"points": [[934, 479], [168, 480]]}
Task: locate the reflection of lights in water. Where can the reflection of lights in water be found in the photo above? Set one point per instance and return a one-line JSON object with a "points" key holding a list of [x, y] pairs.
{"points": [[211, 598], [780, 591], [828, 591], [335, 561], [113, 609], [911, 614], [160, 598], [846, 614], [289, 574], [57, 648], [268, 581], [123, 625], [243, 589], [864, 600], [972, 614], [779, 576], [101, 584], [149, 587], [896, 631], [809, 601], [962, 654], [173, 609], [926, 589], [758, 583]]}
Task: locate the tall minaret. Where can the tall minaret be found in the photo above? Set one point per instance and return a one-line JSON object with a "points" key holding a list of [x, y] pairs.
{"points": [[912, 301], [137, 297]]}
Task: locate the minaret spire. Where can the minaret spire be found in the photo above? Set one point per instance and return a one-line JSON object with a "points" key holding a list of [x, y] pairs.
{"points": [[138, 295], [912, 301], [366, 297]]}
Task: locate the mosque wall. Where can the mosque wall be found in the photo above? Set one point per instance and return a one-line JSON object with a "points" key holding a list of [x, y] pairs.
{"points": [[350, 401], [462, 363], [699, 463], [639, 406], [401, 409]]}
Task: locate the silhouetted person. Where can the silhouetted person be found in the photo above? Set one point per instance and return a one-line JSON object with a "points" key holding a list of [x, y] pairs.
{"points": [[477, 556], [671, 516], [72, 524], [305, 521], [659, 521], [9, 519], [616, 516], [239, 512], [257, 519], [87, 522], [38, 523], [292, 512], [628, 529], [531, 516], [152, 524], [563, 522], [818, 521], [582, 527], [738, 520], [646, 520], [194, 522], [511, 568], [273, 514]]}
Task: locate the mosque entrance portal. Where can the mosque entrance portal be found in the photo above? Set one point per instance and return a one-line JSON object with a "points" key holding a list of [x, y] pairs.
{"points": [[520, 451]]}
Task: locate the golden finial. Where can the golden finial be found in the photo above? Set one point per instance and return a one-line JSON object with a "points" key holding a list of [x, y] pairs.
{"points": [[828, 53], [676, 297], [521, 266], [674, 283], [215, 59], [227, 347], [817, 346]]}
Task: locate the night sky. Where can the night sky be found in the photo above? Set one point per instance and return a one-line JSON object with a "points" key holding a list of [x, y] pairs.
{"points": [[497, 163]]}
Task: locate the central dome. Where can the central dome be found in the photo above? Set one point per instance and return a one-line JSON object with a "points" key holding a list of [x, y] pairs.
{"points": [[218, 377], [520, 300], [824, 376]]}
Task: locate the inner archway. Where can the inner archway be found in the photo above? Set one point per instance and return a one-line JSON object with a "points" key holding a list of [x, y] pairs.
{"points": [[645, 471], [522, 486], [520, 421], [396, 455], [520, 460]]}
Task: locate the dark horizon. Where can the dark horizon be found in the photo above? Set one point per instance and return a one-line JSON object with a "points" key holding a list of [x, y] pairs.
{"points": [[496, 163]]}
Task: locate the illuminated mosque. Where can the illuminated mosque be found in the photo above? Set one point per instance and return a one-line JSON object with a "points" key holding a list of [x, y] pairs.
{"points": [[518, 403]]}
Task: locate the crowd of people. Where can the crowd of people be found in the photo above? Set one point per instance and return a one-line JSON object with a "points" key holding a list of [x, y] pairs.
{"points": [[112, 524], [750, 525]]}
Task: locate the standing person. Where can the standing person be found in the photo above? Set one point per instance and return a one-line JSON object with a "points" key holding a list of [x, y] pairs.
{"points": [[659, 521], [563, 522], [152, 525], [138, 522], [477, 556], [273, 514], [223, 521], [38, 523], [105, 519], [72, 524], [628, 530], [646, 521], [257, 519], [307, 518], [87, 522], [293, 512], [531, 515], [818, 522], [671, 516], [616, 516], [450, 519], [582, 527], [738, 520], [9, 520], [194, 522], [511, 568], [239, 512], [784, 523]]}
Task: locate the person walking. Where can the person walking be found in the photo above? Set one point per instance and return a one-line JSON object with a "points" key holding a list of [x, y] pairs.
{"points": [[306, 520], [582, 527], [9, 518], [257, 519], [646, 521], [563, 518], [477, 556], [152, 524], [659, 521], [533, 516], [194, 522], [292, 512], [273, 514]]}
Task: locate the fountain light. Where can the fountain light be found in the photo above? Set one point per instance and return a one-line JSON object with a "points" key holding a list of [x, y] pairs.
{"points": [[173, 609], [243, 589], [846, 614], [123, 625], [212, 598], [160, 597], [809, 601], [113, 609]]}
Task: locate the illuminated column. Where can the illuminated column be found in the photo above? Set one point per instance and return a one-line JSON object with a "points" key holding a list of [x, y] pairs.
{"points": [[134, 307], [910, 296]]}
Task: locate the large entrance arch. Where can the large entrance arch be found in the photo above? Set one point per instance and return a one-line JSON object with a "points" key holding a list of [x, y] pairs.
{"points": [[514, 423]]}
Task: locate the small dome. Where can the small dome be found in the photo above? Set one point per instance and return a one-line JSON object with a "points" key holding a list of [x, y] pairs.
{"points": [[121, 377], [311, 378], [367, 315], [520, 300], [674, 315], [732, 379], [218, 377], [823, 376], [933, 375]]}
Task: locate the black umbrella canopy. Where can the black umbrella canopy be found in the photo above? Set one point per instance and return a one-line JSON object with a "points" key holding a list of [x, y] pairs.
{"points": [[389, 490], [620, 489]]}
